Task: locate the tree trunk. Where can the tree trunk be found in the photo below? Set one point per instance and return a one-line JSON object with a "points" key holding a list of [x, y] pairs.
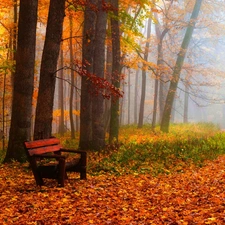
{"points": [[61, 96], [98, 131], [87, 62], [44, 109], [186, 101], [128, 100], [159, 85], [72, 81], [121, 110], [76, 104], [23, 81], [116, 71], [178, 67], [143, 87], [108, 78], [136, 97]]}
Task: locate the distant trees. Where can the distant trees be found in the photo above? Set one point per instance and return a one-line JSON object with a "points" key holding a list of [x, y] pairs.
{"points": [[178, 67]]}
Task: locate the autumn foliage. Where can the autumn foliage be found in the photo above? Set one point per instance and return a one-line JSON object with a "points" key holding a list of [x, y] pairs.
{"points": [[193, 197], [187, 189]]}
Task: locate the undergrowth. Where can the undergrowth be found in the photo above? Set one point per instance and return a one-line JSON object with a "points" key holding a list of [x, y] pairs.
{"points": [[147, 151]]}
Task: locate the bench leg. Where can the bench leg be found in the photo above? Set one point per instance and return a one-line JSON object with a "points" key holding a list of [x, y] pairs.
{"points": [[83, 174], [83, 171], [62, 172], [38, 179]]}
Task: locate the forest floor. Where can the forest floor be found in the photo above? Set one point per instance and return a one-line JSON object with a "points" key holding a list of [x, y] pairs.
{"points": [[195, 196]]}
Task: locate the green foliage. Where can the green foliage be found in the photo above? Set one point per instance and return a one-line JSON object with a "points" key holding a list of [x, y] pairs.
{"points": [[155, 152], [143, 151]]}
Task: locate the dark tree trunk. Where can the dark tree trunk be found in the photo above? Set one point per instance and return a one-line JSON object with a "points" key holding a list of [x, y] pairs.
{"points": [[87, 62], [44, 110], [178, 67], [108, 78], [116, 70], [61, 97], [23, 81], [98, 131], [72, 81]]}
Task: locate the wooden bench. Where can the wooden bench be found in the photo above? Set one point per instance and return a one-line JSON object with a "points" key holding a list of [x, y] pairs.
{"points": [[58, 164]]}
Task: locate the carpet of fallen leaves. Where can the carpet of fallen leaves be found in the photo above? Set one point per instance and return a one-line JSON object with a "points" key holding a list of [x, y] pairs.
{"points": [[196, 196]]}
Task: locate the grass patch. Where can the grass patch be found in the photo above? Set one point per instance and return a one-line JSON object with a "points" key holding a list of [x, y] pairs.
{"points": [[145, 151]]}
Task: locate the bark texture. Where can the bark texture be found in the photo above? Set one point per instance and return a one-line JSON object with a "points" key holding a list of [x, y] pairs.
{"points": [[44, 110], [98, 131], [87, 62], [20, 129], [116, 71]]}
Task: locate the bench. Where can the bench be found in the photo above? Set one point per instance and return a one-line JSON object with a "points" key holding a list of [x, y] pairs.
{"points": [[49, 150]]}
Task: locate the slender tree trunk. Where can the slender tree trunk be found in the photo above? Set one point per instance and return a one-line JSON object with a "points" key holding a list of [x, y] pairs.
{"points": [[72, 81], [61, 96], [87, 62], [108, 78], [173, 111], [116, 71], [136, 97], [186, 101], [121, 108], [3, 112], [128, 101], [44, 109], [14, 36], [155, 102], [143, 87], [23, 81], [159, 85], [178, 67], [76, 105]]}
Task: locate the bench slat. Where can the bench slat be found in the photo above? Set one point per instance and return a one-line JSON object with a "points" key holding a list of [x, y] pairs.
{"points": [[41, 143], [46, 149]]}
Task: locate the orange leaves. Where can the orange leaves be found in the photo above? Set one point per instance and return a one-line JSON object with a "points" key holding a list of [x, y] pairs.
{"points": [[193, 197]]}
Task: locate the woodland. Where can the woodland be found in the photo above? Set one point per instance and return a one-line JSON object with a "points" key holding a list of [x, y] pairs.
{"points": [[137, 84]]}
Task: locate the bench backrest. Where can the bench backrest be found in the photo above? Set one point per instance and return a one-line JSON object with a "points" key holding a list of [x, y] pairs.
{"points": [[42, 146]]}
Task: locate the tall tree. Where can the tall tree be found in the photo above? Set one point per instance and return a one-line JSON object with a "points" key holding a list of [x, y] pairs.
{"points": [[87, 67], [136, 97], [44, 109], [72, 79], [143, 87], [178, 67], [159, 79], [116, 71], [23, 84], [98, 131], [61, 96]]}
